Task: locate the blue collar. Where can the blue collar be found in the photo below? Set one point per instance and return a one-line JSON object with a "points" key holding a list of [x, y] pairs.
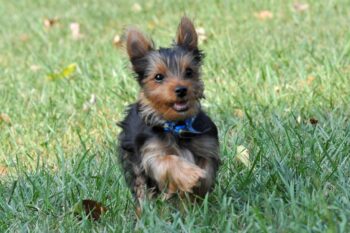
{"points": [[181, 129]]}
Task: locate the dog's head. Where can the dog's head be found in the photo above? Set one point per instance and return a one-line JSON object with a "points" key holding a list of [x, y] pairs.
{"points": [[169, 77]]}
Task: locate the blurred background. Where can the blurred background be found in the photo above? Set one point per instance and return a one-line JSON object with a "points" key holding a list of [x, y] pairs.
{"points": [[277, 85]]}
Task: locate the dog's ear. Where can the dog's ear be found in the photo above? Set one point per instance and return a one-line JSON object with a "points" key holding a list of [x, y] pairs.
{"points": [[186, 34], [137, 44]]}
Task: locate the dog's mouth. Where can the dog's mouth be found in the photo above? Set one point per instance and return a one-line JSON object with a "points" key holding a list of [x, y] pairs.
{"points": [[181, 106]]}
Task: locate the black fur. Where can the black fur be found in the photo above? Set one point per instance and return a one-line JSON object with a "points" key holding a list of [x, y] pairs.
{"points": [[135, 133], [140, 64], [199, 152]]}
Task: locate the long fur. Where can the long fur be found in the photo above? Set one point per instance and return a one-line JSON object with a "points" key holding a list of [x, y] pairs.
{"points": [[154, 160], [142, 148]]}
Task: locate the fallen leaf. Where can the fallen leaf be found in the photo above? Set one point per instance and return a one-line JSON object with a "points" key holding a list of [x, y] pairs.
{"points": [[69, 70], [5, 118], [243, 156], [263, 15], [151, 25], [35, 68], [277, 89], [92, 209], [239, 113], [300, 6], [299, 119], [88, 104], [92, 99], [136, 8], [117, 41], [24, 38], [64, 73], [313, 121], [75, 31], [3, 171], [310, 79], [86, 107], [50, 22], [201, 35]]}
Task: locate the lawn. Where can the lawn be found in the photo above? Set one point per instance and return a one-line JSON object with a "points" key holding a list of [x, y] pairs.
{"points": [[277, 76]]}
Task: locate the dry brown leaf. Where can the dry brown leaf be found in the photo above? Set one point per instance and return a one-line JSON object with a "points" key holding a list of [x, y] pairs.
{"points": [[136, 8], [313, 121], [93, 209], [86, 107], [263, 15], [50, 22], [23, 38], [277, 89], [239, 113], [299, 119], [35, 68], [310, 79], [243, 156], [3, 171], [5, 118], [88, 104], [92, 100], [75, 31], [117, 41], [201, 35], [298, 6], [151, 25]]}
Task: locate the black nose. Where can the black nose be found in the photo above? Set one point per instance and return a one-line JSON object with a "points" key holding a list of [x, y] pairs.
{"points": [[181, 91]]}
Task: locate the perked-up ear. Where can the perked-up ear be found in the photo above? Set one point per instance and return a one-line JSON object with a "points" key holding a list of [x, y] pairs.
{"points": [[186, 34], [137, 44]]}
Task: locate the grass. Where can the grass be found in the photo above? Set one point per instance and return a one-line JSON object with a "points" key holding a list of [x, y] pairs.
{"points": [[265, 80]]}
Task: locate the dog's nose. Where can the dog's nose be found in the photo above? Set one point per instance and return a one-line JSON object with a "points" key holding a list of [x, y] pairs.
{"points": [[181, 91]]}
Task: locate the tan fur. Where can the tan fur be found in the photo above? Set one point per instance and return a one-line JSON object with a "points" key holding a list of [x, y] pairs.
{"points": [[206, 150], [161, 100], [161, 97], [184, 63], [137, 44], [170, 166], [158, 65], [175, 164], [186, 34], [149, 115]]}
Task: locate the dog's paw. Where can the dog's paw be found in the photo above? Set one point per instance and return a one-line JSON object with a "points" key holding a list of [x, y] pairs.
{"points": [[184, 176]]}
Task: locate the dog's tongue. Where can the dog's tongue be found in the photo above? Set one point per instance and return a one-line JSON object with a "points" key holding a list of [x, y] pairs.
{"points": [[180, 106]]}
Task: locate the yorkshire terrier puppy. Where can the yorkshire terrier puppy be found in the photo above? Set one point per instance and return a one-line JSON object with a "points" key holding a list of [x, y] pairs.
{"points": [[168, 144]]}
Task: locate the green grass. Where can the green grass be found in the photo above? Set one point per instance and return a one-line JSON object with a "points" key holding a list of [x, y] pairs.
{"points": [[278, 73]]}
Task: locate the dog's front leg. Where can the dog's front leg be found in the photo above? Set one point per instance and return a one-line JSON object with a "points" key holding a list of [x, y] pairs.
{"points": [[169, 171]]}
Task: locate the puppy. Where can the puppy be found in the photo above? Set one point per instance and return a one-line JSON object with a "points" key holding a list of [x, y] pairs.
{"points": [[168, 144]]}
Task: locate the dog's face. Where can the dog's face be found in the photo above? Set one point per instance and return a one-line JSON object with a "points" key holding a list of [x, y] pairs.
{"points": [[169, 77]]}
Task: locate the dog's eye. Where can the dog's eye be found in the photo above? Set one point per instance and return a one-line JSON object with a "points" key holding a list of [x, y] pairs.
{"points": [[188, 73], [159, 78]]}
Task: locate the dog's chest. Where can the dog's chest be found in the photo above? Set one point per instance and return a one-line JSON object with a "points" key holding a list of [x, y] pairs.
{"points": [[190, 148]]}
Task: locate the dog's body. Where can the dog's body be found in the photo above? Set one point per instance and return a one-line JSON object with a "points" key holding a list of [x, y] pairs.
{"points": [[167, 142]]}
